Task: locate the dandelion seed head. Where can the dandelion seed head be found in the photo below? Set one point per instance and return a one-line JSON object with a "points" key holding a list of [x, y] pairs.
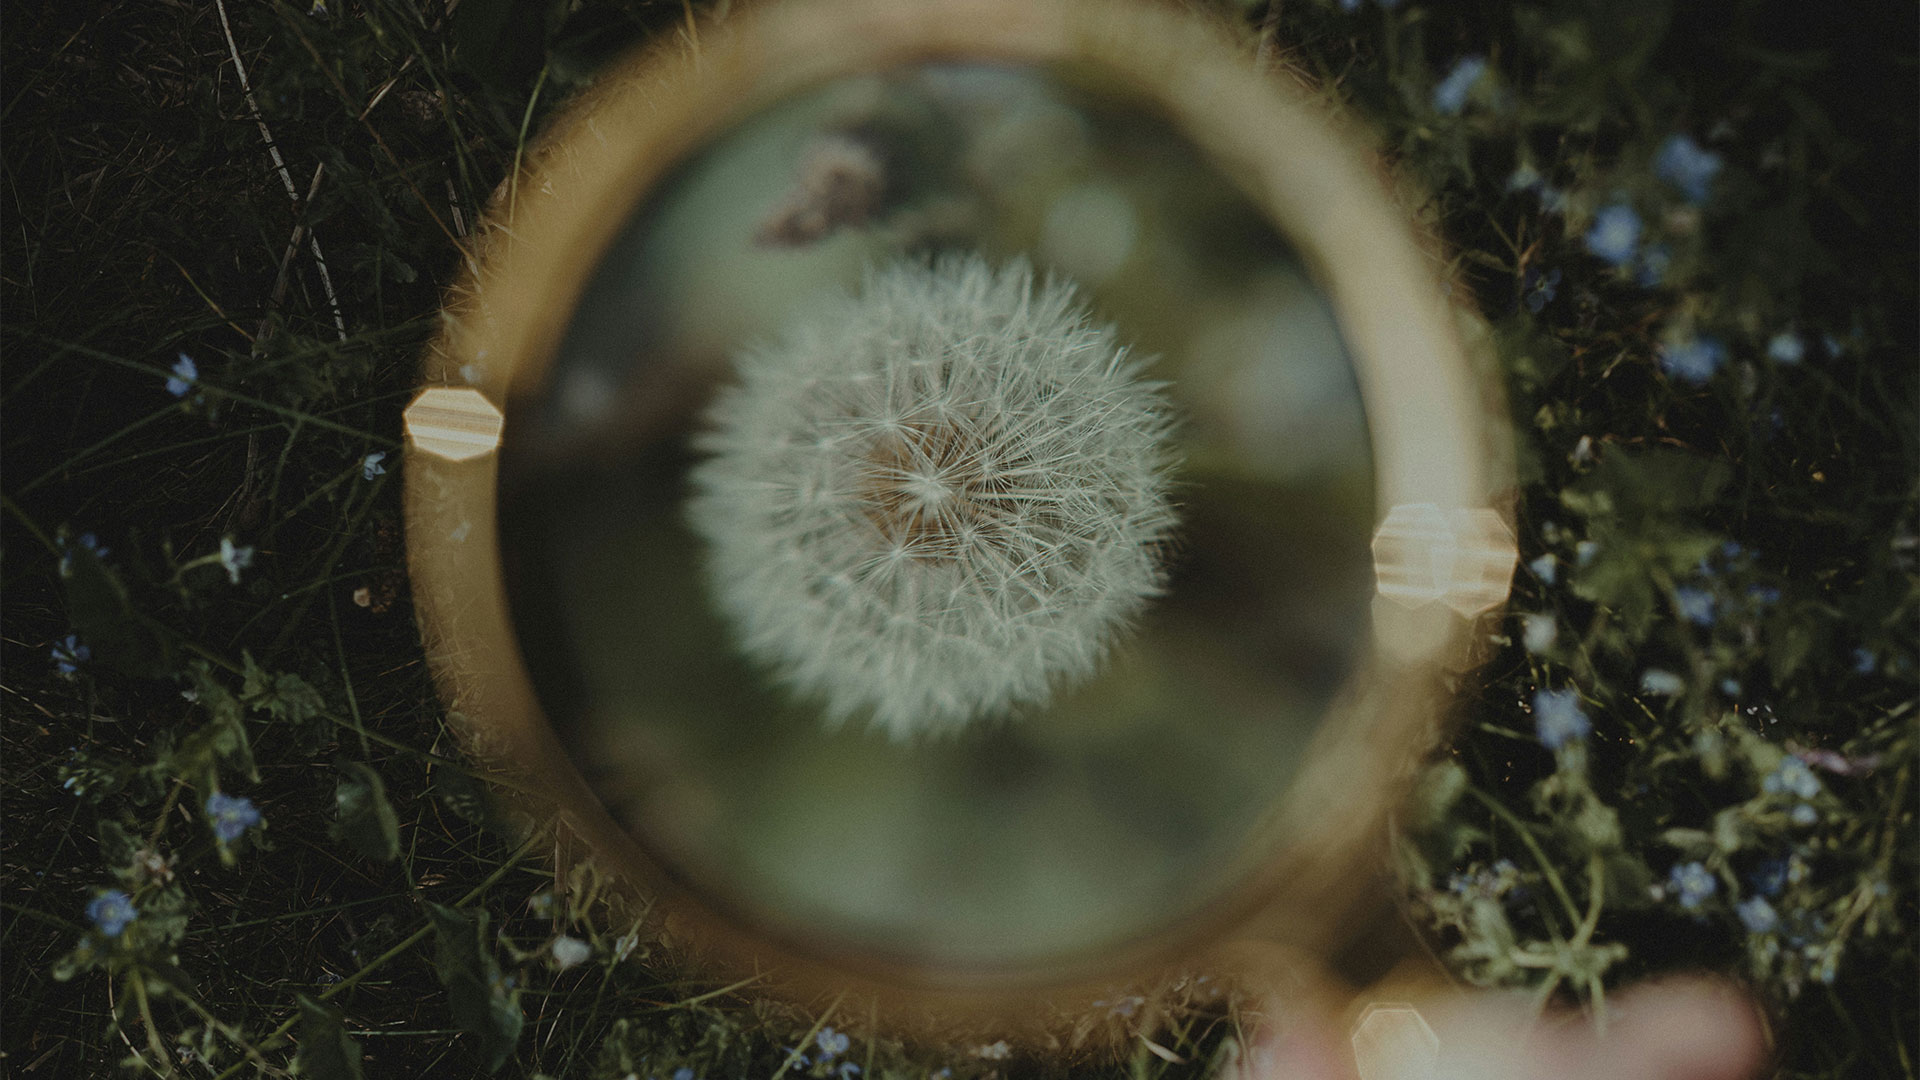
{"points": [[936, 501]]}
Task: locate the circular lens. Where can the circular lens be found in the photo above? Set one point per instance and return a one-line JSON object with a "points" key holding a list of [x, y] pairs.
{"points": [[943, 524]]}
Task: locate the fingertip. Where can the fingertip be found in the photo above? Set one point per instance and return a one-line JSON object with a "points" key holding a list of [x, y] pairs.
{"points": [[1689, 1028]]}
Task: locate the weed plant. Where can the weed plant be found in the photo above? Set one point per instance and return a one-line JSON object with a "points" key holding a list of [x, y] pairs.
{"points": [[238, 842]]}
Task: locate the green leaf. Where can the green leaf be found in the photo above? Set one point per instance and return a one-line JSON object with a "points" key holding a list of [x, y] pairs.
{"points": [[366, 821], [478, 994], [462, 795], [283, 697], [326, 1051]]}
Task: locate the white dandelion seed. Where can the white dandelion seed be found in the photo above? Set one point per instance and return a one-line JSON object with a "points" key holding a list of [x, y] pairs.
{"points": [[936, 501]]}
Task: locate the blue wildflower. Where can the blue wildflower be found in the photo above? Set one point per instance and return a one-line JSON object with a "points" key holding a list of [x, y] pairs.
{"points": [[1688, 166], [68, 655], [1691, 884], [1615, 235], [1525, 178], [1558, 718], [1693, 359], [1451, 95], [1769, 877], [1694, 604], [1584, 551], [1661, 682], [85, 540], [1731, 550], [1538, 632], [1546, 568], [185, 374], [1540, 288], [683, 1073], [111, 911], [1804, 814], [1730, 687], [1791, 777], [848, 1070], [370, 466], [832, 1043], [1654, 262], [234, 559], [1757, 914], [1864, 662], [1763, 595], [1786, 348], [231, 815]]}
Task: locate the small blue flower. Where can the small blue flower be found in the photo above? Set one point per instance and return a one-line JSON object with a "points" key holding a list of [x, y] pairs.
{"points": [[1769, 877], [1546, 568], [1786, 348], [848, 1070], [832, 1043], [1691, 883], [1694, 604], [1693, 359], [1584, 552], [1661, 682], [1730, 687], [1558, 718], [185, 374], [68, 655], [1791, 777], [370, 466], [1654, 262], [1688, 166], [1757, 914], [1538, 632], [683, 1073], [85, 540], [231, 815], [1615, 235], [1763, 595], [111, 911], [234, 559], [1864, 662], [1731, 550], [1525, 178], [1540, 288], [1451, 95], [1804, 814]]}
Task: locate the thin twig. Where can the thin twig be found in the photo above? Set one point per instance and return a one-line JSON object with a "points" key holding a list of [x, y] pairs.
{"points": [[280, 165], [293, 247]]}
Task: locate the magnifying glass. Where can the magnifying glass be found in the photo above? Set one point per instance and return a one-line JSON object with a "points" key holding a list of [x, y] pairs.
{"points": [[965, 501]]}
